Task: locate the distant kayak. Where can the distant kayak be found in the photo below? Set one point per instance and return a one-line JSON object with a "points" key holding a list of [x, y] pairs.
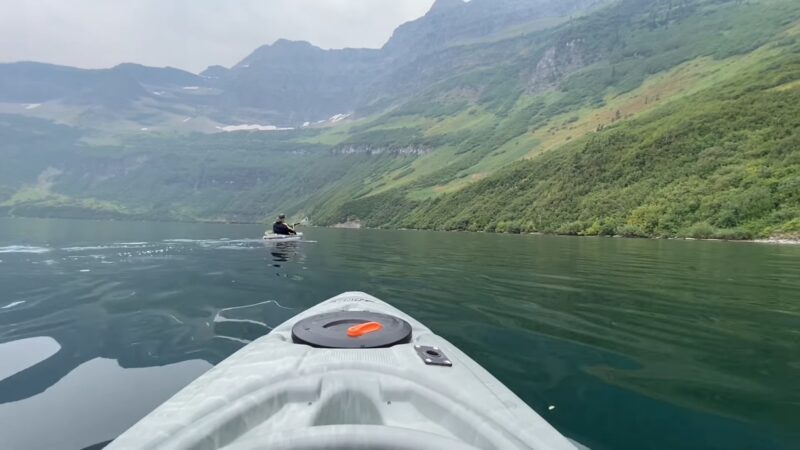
{"points": [[272, 237], [352, 372]]}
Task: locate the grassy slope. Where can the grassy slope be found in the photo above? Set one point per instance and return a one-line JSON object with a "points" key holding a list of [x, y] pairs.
{"points": [[720, 163], [505, 202], [671, 61]]}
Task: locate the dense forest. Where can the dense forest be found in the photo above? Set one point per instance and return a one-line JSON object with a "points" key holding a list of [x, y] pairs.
{"points": [[723, 163]]}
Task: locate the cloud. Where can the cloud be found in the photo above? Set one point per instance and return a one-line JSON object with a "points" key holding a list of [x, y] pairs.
{"points": [[190, 34]]}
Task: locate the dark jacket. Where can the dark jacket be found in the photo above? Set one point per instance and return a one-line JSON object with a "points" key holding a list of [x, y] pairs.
{"points": [[282, 228]]}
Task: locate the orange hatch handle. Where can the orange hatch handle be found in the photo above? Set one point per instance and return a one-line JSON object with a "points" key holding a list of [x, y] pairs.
{"points": [[364, 328]]}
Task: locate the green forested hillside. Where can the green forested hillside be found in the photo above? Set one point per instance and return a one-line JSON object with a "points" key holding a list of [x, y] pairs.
{"points": [[722, 163], [642, 118], [713, 151]]}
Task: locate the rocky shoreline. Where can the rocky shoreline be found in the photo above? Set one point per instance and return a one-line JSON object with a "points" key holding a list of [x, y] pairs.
{"points": [[778, 240]]}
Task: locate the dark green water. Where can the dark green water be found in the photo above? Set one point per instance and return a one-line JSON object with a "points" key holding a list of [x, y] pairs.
{"points": [[637, 344]]}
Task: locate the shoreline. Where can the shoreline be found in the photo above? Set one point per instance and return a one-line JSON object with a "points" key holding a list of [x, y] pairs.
{"points": [[777, 240], [355, 225]]}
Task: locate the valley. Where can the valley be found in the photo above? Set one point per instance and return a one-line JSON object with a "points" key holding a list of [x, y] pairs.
{"points": [[641, 118]]}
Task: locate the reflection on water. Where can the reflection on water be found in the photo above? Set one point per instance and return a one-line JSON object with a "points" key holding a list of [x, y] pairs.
{"points": [[134, 321], [94, 403], [24, 353], [285, 251], [98, 301], [633, 343]]}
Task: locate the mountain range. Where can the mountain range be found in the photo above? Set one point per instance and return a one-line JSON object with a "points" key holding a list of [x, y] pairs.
{"points": [[285, 84], [593, 117]]}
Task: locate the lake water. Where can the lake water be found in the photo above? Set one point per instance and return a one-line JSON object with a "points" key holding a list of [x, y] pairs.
{"points": [[620, 344]]}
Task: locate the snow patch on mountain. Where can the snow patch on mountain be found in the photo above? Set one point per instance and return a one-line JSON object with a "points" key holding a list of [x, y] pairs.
{"points": [[253, 127], [338, 118]]}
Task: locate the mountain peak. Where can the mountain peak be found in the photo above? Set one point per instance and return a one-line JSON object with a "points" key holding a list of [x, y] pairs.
{"points": [[215, 72], [289, 43], [283, 49], [444, 5]]}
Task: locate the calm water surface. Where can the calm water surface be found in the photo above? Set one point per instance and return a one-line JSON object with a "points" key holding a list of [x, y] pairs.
{"points": [[620, 344]]}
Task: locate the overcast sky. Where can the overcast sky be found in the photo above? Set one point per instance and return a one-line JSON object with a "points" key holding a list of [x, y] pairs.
{"points": [[189, 34]]}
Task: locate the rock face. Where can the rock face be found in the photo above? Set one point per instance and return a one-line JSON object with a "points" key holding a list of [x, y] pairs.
{"points": [[557, 62], [37, 82], [353, 224], [454, 22], [380, 150], [297, 82]]}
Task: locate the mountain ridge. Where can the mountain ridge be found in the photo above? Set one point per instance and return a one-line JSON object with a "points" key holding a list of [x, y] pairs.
{"points": [[286, 83]]}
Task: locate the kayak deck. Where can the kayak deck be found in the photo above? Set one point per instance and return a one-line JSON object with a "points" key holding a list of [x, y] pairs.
{"points": [[276, 394]]}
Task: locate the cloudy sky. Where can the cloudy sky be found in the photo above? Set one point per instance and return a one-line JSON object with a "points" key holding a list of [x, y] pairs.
{"points": [[189, 34]]}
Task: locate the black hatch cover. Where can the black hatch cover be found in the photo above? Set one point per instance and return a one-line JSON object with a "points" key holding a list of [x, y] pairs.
{"points": [[351, 329]]}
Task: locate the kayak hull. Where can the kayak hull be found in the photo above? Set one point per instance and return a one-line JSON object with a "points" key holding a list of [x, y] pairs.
{"points": [[271, 237], [274, 393]]}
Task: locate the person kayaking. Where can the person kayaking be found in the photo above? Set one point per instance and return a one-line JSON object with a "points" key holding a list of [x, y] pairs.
{"points": [[280, 227]]}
